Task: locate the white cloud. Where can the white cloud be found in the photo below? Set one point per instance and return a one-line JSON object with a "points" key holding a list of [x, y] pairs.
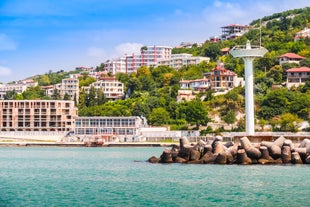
{"points": [[4, 71], [127, 48], [7, 43], [96, 52]]}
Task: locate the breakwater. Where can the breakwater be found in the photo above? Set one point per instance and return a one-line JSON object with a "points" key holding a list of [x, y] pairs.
{"points": [[280, 151]]}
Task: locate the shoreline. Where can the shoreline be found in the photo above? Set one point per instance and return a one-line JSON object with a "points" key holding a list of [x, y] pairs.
{"points": [[81, 144]]}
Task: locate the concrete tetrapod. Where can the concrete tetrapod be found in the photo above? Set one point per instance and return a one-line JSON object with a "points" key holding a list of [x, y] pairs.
{"points": [[251, 151]]}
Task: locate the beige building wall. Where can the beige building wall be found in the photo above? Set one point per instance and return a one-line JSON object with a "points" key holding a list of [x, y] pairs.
{"points": [[37, 115]]}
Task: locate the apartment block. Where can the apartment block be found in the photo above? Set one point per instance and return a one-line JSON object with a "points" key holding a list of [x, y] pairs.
{"points": [[19, 87], [131, 63], [37, 115], [178, 60], [69, 86], [111, 88], [222, 79]]}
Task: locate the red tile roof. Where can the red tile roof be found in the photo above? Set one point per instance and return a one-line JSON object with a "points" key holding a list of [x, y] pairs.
{"points": [[292, 55], [299, 70]]}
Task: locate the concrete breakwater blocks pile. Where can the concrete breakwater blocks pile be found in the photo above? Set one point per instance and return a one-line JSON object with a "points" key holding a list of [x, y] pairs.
{"points": [[281, 151]]}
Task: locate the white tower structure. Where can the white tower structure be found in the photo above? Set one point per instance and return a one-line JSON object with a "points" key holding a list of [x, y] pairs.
{"points": [[248, 53]]}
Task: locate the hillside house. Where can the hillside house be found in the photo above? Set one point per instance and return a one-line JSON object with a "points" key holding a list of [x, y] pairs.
{"points": [[297, 76], [290, 58]]}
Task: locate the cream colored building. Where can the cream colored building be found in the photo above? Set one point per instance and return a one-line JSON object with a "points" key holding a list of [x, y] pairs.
{"points": [[110, 86], [19, 87], [37, 115], [178, 60]]}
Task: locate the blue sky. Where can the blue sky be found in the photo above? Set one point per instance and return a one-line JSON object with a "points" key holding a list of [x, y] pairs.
{"points": [[41, 35]]}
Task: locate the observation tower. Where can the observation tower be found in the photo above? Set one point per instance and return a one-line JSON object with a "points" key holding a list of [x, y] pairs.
{"points": [[248, 53]]}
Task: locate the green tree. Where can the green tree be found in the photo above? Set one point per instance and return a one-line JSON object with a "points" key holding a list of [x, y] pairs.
{"points": [[67, 97], [56, 94], [9, 95], [275, 73], [230, 117], [159, 116], [196, 113]]}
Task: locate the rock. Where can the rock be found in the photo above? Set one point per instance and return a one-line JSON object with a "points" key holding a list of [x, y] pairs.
{"points": [[153, 159], [296, 159], [221, 158], [286, 154], [279, 142], [263, 161], [228, 144], [184, 143], [265, 153], [304, 143], [208, 158], [266, 144], [194, 155], [185, 153], [218, 147], [202, 143], [242, 157], [307, 160], [275, 151], [301, 151], [180, 160], [166, 157], [229, 157], [251, 151], [207, 148]]}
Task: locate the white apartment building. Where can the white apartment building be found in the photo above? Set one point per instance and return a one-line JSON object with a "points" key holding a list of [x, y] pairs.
{"points": [[69, 86], [178, 60], [111, 88], [131, 63], [19, 87]]}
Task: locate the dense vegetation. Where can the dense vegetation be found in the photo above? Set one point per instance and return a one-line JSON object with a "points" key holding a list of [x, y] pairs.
{"points": [[151, 92]]}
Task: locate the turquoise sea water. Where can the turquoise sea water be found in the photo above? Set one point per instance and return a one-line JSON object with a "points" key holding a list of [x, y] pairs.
{"points": [[121, 177]]}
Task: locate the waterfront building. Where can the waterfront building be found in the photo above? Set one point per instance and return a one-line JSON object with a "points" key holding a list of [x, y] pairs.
{"points": [[19, 87], [178, 60], [290, 58], [110, 86], [297, 76], [110, 128], [222, 79], [233, 31], [37, 115]]}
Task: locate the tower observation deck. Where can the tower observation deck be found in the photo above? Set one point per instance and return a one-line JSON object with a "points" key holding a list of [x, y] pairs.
{"points": [[248, 53]]}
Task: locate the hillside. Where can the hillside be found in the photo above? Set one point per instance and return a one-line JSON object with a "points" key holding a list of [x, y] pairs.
{"points": [[152, 92]]}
